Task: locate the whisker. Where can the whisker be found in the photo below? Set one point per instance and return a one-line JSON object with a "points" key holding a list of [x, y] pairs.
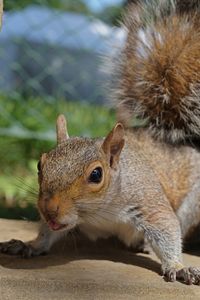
{"points": [[88, 209], [20, 181], [26, 189], [30, 193], [74, 240], [93, 220], [86, 204], [64, 244], [31, 200], [102, 212], [96, 206], [97, 217], [110, 213]]}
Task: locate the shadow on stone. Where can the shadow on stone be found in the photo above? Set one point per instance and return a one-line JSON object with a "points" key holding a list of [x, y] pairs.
{"points": [[80, 248]]}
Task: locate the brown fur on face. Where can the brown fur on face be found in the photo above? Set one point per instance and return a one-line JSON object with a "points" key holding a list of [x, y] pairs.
{"points": [[58, 202], [67, 162], [60, 189], [65, 173]]}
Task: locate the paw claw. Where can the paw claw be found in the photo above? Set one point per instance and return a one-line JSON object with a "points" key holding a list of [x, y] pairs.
{"points": [[186, 275], [196, 275], [172, 275], [16, 247]]}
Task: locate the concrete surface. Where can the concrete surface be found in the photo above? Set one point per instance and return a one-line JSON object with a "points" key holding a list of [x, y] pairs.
{"points": [[78, 269]]}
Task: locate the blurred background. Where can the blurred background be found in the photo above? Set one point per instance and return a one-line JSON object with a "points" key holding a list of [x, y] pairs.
{"points": [[51, 62]]}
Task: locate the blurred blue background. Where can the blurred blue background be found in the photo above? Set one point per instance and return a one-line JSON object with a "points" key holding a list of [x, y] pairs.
{"points": [[96, 5]]}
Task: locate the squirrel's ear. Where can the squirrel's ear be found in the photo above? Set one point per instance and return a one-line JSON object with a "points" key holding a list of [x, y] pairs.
{"points": [[61, 129], [113, 144]]}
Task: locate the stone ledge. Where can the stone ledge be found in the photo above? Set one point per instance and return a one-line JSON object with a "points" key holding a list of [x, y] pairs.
{"points": [[84, 270]]}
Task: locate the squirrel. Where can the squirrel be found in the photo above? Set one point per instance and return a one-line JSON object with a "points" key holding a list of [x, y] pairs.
{"points": [[136, 183]]}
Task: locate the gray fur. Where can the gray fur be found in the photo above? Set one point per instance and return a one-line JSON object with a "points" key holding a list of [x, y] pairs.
{"points": [[132, 207]]}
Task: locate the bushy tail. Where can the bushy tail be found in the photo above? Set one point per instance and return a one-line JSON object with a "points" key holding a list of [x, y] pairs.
{"points": [[158, 70]]}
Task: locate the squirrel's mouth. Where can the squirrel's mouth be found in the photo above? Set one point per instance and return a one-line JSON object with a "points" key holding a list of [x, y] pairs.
{"points": [[56, 226]]}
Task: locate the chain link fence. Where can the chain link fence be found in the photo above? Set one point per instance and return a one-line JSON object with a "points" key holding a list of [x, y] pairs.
{"points": [[52, 51], [54, 48]]}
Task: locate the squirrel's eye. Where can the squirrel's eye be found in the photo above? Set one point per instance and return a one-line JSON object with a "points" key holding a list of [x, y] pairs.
{"points": [[96, 175], [39, 166]]}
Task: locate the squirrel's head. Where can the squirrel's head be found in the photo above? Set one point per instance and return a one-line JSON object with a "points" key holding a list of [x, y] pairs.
{"points": [[75, 176]]}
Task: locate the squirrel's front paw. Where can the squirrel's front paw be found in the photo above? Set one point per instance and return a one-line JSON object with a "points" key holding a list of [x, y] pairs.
{"points": [[187, 275], [17, 247]]}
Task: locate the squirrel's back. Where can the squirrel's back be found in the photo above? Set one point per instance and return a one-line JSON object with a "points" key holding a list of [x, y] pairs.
{"points": [[176, 167], [158, 70]]}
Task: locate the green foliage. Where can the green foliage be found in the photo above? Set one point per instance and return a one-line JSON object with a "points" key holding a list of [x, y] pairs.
{"points": [[29, 212], [111, 15], [27, 129], [65, 5]]}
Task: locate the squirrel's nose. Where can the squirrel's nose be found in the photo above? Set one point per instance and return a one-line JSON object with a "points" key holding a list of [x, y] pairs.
{"points": [[52, 214]]}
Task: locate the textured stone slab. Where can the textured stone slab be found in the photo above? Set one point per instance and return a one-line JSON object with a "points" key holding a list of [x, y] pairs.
{"points": [[78, 269]]}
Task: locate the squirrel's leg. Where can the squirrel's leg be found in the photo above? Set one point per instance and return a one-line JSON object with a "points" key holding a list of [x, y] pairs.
{"points": [[39, 246], [162, 230]]}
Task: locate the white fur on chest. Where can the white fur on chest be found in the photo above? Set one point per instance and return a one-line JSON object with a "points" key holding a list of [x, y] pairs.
{"points": [[104, 226]]}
